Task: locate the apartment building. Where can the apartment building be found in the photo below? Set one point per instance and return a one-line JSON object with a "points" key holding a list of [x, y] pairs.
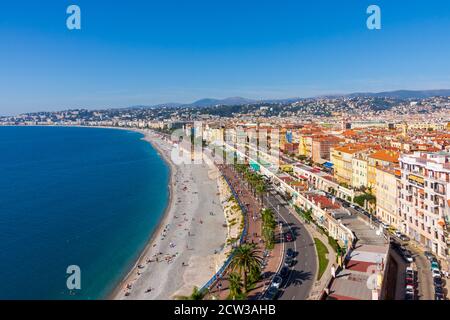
{"points": [[321, 146], [379, 159], [387, 193], [359, 169], [424, 200], [342, 159]]}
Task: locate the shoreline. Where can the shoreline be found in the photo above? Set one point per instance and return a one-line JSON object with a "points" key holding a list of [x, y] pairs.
{"points": [[162, 221], [201, 253]]}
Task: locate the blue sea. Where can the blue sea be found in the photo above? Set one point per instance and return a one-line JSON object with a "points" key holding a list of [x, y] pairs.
{"points": [[75, 196]]}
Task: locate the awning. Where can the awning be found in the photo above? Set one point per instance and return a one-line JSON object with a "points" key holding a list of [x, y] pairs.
{"points": [[328, 165]]}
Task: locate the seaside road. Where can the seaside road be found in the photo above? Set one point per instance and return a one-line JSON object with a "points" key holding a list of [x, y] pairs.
{"points": [[299, 282]]}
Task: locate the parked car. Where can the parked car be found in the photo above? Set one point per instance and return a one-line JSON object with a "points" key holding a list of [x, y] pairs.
{"points": [[429, 255], [385, 225], [436, 273], [410, 282], [435, 266], [409, 288], [410, 275], [408, 257], [276, 282], [439, 296], [405, 238], [271, 293], [433, 259], [409, 296], [438, 290], [438, 283]]}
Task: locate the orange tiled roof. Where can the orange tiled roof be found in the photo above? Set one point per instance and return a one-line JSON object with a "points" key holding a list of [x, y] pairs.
{"points": [[385, 155], [351, 148]]}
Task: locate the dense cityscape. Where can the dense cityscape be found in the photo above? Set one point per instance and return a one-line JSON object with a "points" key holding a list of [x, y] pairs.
{"points": [[372, 171]]}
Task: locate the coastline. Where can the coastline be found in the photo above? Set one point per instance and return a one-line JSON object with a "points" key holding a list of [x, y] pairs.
{"points": [[197, 260], [163, 220], [196, 192]]}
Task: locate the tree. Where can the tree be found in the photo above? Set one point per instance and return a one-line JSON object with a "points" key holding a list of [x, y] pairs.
{"points": [[268, 227], [247, 258], [261, 189], [236, 285]]}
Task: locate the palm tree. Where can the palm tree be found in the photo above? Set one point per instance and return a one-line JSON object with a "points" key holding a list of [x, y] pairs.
{"points": [[260, 190], [246, 258], [268, 227], [235, 280]]}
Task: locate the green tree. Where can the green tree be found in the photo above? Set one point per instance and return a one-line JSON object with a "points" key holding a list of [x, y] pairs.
{"points": [[268, 227], [236, 285], [247, 258]]}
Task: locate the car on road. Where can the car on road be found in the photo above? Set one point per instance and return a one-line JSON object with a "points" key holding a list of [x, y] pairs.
{"points": [[385, 225], [409, 288], [401, 236], [435, 266], [404, 238], [410, 292], [288, 262], [439, 296], [271, 293], [408, 257], [284, 272], [436, 273], [409, 275], [289, 237], [433, 259], [438, 282], [277, 281], [429, 255], [439, 290], [409, 296], [290, 253]]}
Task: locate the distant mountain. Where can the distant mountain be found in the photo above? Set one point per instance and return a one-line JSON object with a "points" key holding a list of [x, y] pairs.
{"points": [[203, 103], [236, 101], [404, 94], [167, 105]]}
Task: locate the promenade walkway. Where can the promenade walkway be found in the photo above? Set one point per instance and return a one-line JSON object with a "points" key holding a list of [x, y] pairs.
{"points": [[220, 288]]}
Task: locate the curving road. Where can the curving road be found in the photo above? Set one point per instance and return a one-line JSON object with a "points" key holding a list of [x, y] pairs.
{"points": [[300, 280]]}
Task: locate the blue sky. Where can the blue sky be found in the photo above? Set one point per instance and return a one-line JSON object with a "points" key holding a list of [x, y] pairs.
{"points": [[146, 52]]}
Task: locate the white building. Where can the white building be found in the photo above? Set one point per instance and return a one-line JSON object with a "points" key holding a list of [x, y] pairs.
{"points": [[424, 199]]}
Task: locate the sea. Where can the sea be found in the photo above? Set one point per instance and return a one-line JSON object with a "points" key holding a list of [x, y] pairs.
{"points": [[77, 207]]}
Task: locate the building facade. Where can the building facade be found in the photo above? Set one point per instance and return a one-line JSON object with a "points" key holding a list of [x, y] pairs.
{"points": [[425, 198]]}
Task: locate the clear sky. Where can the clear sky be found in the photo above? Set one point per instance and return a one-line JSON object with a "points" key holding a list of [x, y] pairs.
{"points": [[147, 52]]}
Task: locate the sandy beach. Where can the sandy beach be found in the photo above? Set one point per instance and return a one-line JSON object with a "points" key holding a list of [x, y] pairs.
{"points": [[189, 245]]}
